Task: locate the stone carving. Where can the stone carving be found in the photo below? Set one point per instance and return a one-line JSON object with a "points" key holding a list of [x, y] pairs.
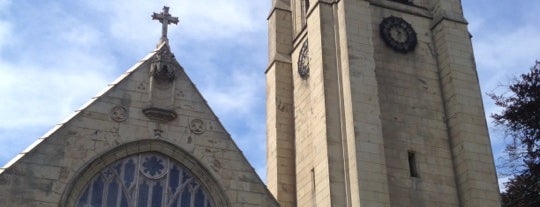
{"points": [[163, 66], [163, 73], [303, 61], [398, 34], [180, 94], [157, 133], [159, 114], [141, 87], [119, 114], [197, 126]]}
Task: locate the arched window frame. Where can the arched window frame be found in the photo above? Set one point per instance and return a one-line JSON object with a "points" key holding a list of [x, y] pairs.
{"points": [[78, 183]]}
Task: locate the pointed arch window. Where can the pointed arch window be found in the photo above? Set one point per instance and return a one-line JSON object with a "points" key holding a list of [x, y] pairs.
{"points": [[145, 180]]}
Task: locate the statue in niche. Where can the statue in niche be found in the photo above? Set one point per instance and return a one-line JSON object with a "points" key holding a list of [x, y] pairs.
{"points": [[163, 73]]}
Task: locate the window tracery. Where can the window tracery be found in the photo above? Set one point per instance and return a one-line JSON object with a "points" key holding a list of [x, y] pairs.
{"points": [[144, 180]]}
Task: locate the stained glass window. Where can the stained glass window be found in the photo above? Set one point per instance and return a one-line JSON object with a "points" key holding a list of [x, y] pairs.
{"points": [[145, 180]]}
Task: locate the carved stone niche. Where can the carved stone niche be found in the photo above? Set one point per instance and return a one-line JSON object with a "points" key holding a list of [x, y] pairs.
{"points": [[163, 70], [163, 73]]}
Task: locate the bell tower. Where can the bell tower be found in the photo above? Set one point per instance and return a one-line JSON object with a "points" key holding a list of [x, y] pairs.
{"points": [[375, 103]]}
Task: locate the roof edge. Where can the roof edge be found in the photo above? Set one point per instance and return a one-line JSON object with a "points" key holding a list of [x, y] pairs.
{"points": [[83, 107]]}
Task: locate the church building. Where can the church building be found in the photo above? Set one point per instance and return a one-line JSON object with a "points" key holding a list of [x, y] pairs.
{"points": [[371, 103]]}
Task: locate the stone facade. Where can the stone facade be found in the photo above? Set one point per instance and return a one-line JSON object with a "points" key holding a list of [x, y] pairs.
{"points": [[154, 107], [372, 125]]}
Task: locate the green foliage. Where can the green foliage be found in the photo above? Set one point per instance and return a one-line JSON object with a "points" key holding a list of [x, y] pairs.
{"points": [[521, 118]]}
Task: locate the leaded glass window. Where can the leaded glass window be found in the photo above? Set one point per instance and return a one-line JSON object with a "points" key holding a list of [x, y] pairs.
{"points": [[145, 180]]}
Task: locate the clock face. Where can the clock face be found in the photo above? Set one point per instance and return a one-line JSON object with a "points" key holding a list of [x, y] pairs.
{"points": [[303, 61], [398, 34]]}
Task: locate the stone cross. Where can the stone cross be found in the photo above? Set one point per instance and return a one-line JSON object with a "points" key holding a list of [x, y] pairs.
{"points": [[165, 19]]}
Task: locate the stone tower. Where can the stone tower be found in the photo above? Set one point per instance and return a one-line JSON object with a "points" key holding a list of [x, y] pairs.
{"points": [[375, 103]]}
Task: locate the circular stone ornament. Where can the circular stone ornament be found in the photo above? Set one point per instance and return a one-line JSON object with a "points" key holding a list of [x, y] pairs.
{"points": [[398, 34], [303, 61], [197, 126], [119, 114]]}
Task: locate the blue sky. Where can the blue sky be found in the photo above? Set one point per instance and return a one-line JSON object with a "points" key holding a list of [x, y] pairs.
{"points": [[56, 55]]}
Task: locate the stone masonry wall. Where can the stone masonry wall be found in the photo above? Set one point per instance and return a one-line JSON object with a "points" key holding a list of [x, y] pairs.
{"points": [[413, 118]]}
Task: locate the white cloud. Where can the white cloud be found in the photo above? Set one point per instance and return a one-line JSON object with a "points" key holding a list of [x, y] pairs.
{"points": [[82, 36], [235, 97], [505, 45], [4, 4], [251, 139], [51, 64], [42, 97], [216, 19], [5, 33], [127, 21], [35, 98], [222, 18], [502, 51]]}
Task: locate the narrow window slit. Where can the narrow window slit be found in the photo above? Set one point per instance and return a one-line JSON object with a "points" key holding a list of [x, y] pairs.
{"points": [[313, 189], [412, 164], [306, 7]]}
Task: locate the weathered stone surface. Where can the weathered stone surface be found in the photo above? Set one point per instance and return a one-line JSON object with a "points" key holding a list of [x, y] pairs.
{"points": [[369, 113]]}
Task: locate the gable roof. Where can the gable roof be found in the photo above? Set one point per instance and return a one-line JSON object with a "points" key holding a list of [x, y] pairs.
{"points": [[153, 100]]}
